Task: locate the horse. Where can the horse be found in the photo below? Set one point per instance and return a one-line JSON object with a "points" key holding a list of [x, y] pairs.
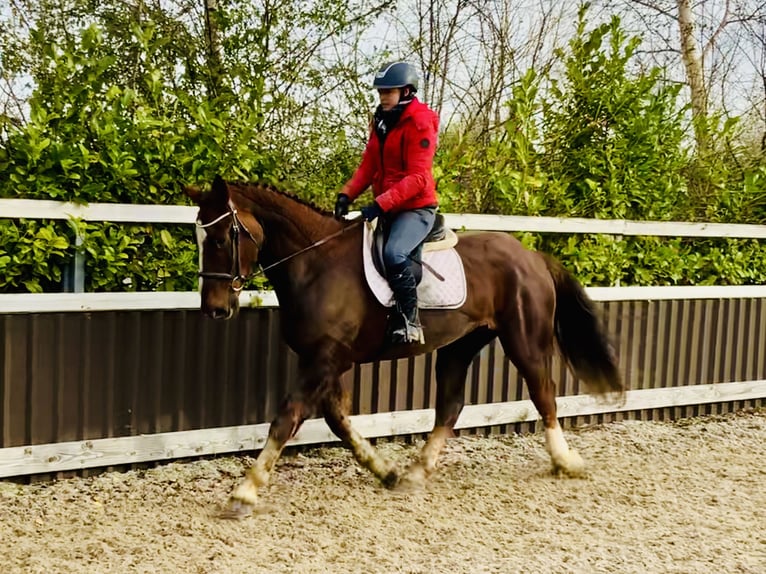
{"points": [[331, 319]]}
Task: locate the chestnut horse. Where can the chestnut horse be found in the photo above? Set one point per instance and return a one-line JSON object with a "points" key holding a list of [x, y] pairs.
{"points": [[331, 319]]}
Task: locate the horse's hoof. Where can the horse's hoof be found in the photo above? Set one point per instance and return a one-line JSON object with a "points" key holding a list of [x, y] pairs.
{"points": [[236, 510], [572, 465], [413, 480], [391, 479]]}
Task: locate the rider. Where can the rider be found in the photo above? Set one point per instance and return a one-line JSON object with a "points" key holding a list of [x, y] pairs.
{"points": [[398, 162]]}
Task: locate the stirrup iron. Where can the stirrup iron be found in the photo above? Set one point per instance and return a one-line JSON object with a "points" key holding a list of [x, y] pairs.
{"points": [[408, 332]]}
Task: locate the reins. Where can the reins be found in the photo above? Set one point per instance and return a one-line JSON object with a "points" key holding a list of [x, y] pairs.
{"points": [[353, 224], [236, 278]]}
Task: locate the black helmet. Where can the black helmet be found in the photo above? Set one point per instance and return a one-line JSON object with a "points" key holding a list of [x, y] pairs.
{"points": [[396, 75]]}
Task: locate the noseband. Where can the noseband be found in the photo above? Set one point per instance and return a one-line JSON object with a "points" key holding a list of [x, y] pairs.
{"points": [[235, 277]]}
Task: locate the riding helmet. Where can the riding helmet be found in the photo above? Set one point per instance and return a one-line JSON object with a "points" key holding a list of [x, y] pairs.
{"points": [[396, 75]]}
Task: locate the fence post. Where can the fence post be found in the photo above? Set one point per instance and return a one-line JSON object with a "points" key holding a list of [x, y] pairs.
{"points": [[619, 238], [79, 264], [199, 233], [73, 276]]}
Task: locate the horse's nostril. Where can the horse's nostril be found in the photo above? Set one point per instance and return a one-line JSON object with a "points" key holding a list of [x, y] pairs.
{"points": [[219, 313]]}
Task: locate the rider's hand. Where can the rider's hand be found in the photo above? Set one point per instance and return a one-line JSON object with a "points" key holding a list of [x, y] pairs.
{"points": [[370, 212], [341, 205]]}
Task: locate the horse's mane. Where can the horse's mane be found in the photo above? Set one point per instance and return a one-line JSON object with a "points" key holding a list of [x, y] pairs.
{"points": [[270, 187]]}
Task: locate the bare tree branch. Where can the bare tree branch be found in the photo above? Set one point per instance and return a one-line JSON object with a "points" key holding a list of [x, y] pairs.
{"points": [[724, 22]]}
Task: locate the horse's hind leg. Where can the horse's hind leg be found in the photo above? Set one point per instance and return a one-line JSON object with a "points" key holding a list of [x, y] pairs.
{"points": [[530, 350], [452, 364], [542, 391], [336, 407]]}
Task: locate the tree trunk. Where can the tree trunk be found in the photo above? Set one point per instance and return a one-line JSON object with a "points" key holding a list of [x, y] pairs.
{"points": [[215, 83], [692, 59]]}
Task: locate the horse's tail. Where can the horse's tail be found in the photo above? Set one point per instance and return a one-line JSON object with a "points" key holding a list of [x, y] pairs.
{"points": [[581, 338]]}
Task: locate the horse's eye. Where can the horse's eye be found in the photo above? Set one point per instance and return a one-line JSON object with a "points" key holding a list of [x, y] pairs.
{"points": [[219, 243]]}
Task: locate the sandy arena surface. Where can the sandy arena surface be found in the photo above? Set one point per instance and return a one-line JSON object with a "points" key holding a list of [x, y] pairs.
{"points": [[686, 497]]}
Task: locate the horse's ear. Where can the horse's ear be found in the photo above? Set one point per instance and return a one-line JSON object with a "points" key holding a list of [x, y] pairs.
{"points": [[220, 191], [193, 192]]}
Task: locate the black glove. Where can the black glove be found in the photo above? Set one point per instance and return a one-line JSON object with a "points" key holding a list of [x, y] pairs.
{"points": [[341, 205], [370, 212]]}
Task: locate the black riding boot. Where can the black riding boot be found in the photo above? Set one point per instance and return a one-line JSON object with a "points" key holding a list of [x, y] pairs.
{"points": [[404, 286]]}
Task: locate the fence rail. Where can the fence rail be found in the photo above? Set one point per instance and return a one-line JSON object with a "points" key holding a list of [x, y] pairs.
{"points": [[161, 300], [79, 455], [132, 213]]}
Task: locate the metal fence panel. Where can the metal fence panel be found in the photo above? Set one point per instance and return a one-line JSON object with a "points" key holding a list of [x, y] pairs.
{"points": [[79, 376]]}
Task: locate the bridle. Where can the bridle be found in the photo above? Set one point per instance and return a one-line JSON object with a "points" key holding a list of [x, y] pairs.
{"points": [[235, 276]]}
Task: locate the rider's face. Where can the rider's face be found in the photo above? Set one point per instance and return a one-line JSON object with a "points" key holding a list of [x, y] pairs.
{"points": [[389, 97]]}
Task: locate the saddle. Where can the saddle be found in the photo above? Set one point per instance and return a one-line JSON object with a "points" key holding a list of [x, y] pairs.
{"points": [[440, 237], [441, 278]]}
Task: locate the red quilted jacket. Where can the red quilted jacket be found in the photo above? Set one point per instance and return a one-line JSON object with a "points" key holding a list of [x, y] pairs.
{"points": [[401, 173]]}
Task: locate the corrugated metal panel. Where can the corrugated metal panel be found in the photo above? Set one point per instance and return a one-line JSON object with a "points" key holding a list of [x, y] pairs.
{"points": [[92, 375], [72, 376]]}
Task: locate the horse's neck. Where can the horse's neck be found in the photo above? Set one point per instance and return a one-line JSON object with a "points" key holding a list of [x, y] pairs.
{"points": [[288, 226]]}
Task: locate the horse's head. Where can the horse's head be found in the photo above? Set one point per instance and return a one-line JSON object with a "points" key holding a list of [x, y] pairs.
{"points": [[230, 248]]}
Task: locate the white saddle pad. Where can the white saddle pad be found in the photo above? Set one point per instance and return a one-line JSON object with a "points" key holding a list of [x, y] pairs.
{"points": [[432, 292]]}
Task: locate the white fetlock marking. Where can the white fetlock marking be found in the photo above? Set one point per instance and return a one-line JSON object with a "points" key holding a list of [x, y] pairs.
{"points": [[265, 462], [433, 448], [246, 492], [555, 443], [562, 456], [258, 475], [368, 456]]}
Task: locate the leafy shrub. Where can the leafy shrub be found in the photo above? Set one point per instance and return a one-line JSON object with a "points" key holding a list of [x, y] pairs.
{"points": [[34, 255]]}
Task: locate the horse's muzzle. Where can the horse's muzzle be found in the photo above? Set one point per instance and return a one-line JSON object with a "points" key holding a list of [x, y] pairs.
{"points": [[220, 313], [220, 308]]}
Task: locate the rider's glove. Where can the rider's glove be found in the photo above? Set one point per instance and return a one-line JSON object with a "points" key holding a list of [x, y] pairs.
{"points": [[370, 212], [341, 205]]}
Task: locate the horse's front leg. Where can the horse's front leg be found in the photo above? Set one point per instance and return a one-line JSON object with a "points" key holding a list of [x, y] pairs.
{"points": [[336, 407], [293, 411]]}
